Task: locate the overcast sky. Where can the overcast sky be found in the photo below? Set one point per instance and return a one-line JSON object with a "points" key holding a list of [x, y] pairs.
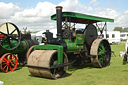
{"points": [[35, 14]]}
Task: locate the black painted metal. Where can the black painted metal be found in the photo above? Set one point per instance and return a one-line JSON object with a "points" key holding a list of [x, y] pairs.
{"points": [[90, 34], [54, 66], [59, 22]]}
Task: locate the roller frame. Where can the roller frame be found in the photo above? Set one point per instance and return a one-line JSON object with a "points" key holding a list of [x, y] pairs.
{"points": [[51, 47]]}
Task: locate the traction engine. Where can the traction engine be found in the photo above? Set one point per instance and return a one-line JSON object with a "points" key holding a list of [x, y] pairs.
{"points": [[13, 46]]}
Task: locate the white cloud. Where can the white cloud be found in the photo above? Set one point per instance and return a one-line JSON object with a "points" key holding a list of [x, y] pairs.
{"points": [[38, 18], [120, 19], [8, 10], [69, 5], [93, 2], [105, 12], [35, 18]]}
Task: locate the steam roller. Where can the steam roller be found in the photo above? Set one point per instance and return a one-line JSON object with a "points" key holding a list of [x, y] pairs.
{"points": [[71, 47]]}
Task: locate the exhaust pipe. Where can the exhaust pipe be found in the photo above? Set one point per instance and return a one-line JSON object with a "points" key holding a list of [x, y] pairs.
{"points": [[59, 22]]}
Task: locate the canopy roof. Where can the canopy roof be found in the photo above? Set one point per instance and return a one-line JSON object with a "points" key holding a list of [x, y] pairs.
{"points": [[81, 18]]}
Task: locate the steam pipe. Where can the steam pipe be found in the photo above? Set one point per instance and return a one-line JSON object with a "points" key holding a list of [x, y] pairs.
{"points": [[59, 22]]}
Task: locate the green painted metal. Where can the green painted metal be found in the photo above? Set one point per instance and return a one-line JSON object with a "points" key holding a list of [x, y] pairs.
{"points": [[75, 45], [79, 39], [21, 48], [101, 51], [82, 18], [72, 46], [54, 62], [59, 49]]}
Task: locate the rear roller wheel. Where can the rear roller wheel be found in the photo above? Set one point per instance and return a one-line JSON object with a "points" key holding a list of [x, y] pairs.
{"points": [[46, 58], [101, 51], [8, 62]]}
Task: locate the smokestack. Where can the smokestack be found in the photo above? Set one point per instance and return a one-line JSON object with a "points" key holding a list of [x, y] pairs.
{"points": [[59, 22]]}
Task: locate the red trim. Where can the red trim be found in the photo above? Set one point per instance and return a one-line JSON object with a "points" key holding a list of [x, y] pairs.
{"points": [[1, 36]]}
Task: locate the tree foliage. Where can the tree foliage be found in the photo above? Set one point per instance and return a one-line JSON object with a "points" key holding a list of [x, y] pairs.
{"points": [[125, 29], [118, 29], [121, 29]]}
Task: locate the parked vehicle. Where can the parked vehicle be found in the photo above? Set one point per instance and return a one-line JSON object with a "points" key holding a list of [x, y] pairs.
{"points": [[123, 36], [112, 36]]}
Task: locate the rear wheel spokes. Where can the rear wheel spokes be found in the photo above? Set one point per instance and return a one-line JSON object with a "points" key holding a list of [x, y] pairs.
{"points": [[9, 41], [10, 45], [14, 38], [10, 68], [101, 54], [107, 58], [4, 67], [54, 71], [4, 63], [3, 33], [4, 59], [11, 58], [7, 69], [101, 49], [12, 63], [13, 31], [11, 36], [7, 28], [101, 61], [3, 40], [9, 62]]}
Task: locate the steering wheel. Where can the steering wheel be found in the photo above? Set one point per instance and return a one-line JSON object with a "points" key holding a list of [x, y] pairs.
{"points": [[9, 36]]}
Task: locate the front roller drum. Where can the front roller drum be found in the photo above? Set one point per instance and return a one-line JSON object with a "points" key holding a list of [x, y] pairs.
{"points": [[101, 52], [45, 59]]}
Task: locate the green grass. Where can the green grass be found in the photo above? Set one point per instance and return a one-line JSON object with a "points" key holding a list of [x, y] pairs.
{"points": [[115, 74]]}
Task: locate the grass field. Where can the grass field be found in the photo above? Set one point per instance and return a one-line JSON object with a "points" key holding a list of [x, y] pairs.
{"points": [[115, 74]]}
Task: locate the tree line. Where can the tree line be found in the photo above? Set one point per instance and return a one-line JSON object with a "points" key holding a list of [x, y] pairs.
{"points": [[121, 29]]}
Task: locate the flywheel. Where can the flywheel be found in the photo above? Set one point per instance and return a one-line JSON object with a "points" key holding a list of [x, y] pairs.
{"points": [[10, 34], [101, 52], [90, 34], [45, 59]]}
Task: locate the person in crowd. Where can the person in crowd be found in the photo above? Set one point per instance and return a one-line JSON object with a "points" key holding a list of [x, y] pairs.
{"points": [[126, 52]]}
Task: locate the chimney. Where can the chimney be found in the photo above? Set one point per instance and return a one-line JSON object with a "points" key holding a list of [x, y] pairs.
{"points": [[59, 22]]}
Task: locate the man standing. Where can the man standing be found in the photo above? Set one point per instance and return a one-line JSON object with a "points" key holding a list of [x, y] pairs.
{"points": [[126, 52]]}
